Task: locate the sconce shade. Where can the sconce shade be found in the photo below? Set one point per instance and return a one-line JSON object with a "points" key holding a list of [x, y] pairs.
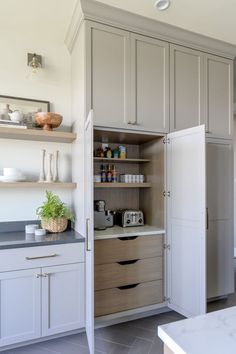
{"points": [[35, 62]]}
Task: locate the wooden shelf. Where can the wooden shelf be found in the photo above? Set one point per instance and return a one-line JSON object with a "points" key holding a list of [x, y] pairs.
{"points": [[45, 185], [37, 135], [104, 159], [122, 185]]}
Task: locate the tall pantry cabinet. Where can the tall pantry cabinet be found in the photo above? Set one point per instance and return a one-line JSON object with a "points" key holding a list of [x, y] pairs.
{"points": [[131, 84]]}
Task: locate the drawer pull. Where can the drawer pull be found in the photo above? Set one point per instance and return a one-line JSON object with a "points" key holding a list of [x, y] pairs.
{"points": [[128, 262], [128, 286], [40, 257], [127, 238]]}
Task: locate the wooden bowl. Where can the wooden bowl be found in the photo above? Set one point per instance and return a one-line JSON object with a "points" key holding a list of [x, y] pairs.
{"points": [[47, 120]]}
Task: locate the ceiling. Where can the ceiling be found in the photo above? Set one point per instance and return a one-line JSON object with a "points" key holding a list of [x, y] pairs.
{"points": [[213, 18], [42, 18]]}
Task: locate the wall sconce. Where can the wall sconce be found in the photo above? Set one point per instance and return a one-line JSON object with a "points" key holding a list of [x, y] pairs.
{"points": [[34, 61]]}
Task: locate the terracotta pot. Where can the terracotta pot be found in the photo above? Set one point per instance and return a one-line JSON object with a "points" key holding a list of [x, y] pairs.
{"points": [[48, 120], [54, 225]]}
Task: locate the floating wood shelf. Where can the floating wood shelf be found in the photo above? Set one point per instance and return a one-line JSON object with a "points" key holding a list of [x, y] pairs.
{"points": [[122, 185], [37, 135], [104, 159], [45, 185]]}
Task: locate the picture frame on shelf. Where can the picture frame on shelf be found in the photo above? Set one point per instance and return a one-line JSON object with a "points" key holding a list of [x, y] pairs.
{"points": [[27, 106]]}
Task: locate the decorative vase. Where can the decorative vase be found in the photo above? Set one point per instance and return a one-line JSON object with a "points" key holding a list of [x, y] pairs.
{"points": [[54, 225], [55, 170], [49, 169], [42, 169]]}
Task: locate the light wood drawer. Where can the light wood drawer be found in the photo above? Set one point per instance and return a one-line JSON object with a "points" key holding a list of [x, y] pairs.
{"points": [[126, 248], [128, 272], [41, 256], [118, 299]]}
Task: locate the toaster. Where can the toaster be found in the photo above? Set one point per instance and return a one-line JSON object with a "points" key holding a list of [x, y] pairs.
{"points": [[127, 218]]}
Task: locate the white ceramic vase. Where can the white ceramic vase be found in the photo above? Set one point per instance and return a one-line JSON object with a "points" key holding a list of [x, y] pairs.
{"points": [[42, 168], [49, 178], [55, 170]]}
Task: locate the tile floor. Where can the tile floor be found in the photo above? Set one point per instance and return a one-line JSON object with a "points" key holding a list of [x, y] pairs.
{"points": [[134, 337]]}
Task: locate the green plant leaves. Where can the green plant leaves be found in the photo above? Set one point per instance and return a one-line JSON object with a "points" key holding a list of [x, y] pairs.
{"points": [[54, 208]]}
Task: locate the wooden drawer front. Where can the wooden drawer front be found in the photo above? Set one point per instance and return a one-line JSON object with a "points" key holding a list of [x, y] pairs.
{"points": [[41, 256], [117, 300], [127, 272], [126, 248]]}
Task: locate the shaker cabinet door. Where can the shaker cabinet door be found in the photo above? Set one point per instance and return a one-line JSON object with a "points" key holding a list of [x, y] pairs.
{"points": [[219, 88], [186, 88], [149, 84], [20, 306], [62, 298], [108, 70]]}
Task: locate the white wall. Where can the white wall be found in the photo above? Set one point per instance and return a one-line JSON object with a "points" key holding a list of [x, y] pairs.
{"points": [[53, 86]]}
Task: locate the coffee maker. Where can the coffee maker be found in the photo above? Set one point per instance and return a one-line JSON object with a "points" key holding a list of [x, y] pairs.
{"points": [[102, 218]]}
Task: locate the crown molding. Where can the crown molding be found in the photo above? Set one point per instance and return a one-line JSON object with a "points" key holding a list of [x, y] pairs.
{"points": [[74, 26], [97, 11], [106, 14]]}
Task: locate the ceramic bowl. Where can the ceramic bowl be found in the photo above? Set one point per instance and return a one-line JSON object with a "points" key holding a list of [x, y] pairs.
{"points": [[47, 120]]}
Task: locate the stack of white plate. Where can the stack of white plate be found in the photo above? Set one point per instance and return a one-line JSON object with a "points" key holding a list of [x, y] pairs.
{"points": [[12, 175]]}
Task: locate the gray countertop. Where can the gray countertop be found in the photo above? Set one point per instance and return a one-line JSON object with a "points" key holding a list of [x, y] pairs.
{"points": [[17, 239]]}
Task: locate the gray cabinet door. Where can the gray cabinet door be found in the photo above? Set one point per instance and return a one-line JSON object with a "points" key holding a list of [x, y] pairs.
{"points": [[219, 89], [149, 84], [186, 88], [108, 74]]}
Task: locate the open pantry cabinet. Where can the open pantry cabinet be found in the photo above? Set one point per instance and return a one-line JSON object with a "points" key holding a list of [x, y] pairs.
{"points": [[174, 200]]}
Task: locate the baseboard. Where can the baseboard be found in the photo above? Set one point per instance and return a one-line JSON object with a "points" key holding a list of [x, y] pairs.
{"points": [[131, 315]]}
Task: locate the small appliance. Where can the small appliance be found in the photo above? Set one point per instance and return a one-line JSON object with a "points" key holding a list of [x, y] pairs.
{"points": [[102, 218], [126, 218]]}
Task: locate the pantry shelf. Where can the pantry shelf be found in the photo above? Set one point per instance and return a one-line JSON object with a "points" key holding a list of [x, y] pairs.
{"points": [[122, 185], [117, 160], [37, 135], [45, 185]]}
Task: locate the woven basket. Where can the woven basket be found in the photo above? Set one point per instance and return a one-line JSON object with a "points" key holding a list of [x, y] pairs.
{"points": [[54, 225]]}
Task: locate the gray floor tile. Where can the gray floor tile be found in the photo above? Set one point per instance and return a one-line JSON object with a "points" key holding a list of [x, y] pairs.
{"points": [[136, 332], [61, 346], [30, 349], [115, 335], [79, 339], [157, 347], [140, 346]]}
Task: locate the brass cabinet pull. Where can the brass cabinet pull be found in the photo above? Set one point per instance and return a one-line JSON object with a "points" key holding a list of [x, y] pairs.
{"points": [[40, 257], [87, 235], [207, 219]]}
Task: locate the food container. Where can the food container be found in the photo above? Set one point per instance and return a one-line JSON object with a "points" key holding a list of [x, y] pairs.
{"points": [[30, 229]]}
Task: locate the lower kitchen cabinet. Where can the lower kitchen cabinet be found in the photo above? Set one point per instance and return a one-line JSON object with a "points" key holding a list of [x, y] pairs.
{"points": [[62, 298], [20, 306], [42, 301]]}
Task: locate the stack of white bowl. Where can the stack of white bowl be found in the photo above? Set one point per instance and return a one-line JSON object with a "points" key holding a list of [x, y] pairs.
{"points": [[12, 175]]}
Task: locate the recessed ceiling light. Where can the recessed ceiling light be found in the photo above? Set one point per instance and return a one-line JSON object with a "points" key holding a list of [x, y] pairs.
{"points": [[162, 4]]}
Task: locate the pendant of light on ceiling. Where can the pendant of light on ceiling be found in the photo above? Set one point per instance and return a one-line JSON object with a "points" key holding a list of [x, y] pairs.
{"points": [[162, 4]]}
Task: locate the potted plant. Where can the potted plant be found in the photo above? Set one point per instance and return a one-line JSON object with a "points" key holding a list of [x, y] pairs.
{"points": [[54, 214]]}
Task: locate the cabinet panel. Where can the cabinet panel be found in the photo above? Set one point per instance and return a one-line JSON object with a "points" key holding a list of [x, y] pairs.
{"points": [[149, 84], [108, 75], [118, 299], [128, 272], [62, 298], [219, 88], [220, 235], [41, 256], [127, 248], [187, 95], [20, 306]]}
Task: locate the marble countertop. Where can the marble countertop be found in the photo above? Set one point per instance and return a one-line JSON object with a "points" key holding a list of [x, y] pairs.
{"points": [[20, 239], [117, 231], [214, 332]]}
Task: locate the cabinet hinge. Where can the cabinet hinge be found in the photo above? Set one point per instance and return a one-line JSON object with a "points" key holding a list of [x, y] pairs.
{"points": [[166, 140], [166, 246], [166, 299]]}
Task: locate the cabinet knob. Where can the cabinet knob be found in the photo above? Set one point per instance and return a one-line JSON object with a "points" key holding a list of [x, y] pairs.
{"points": [[38, 275], [45, 275]]}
